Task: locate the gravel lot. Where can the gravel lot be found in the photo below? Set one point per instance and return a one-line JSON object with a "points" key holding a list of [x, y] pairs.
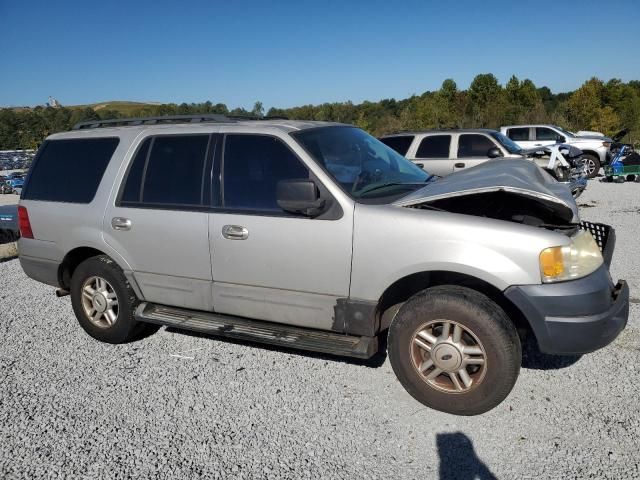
{"points": [[178, 406]]}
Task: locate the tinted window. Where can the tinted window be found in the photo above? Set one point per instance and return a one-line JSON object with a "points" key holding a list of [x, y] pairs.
{"points": [[175, 170], [399, 144], [361, 164], [70, 170], [253, 166], [474, 146], [518, 134], [131, 191], [434, 146], [546, 134]]}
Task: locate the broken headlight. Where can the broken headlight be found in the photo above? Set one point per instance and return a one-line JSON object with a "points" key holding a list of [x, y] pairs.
{"points": [[573, 261]]}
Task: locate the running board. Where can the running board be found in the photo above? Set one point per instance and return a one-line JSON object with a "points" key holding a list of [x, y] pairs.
{"points": [[258, 331]]}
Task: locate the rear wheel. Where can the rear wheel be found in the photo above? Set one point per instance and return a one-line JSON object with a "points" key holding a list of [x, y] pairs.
{"points": [[591, 165], [104, 302], [454, 350]]}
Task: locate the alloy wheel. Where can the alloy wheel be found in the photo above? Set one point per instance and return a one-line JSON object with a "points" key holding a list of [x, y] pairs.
{"points": [[448, 356], [100, 302]]}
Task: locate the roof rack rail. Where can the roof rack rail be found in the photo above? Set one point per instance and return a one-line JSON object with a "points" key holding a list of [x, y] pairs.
{"points": [[123, 122], [195, 118]]}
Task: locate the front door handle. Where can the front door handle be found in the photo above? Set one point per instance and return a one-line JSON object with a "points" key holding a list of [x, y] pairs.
{"points": [[459, 165], [120, 223], [235, 232]]}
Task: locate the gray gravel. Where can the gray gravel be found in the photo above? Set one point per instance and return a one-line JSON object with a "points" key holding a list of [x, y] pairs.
{"points": [[182, 406]]}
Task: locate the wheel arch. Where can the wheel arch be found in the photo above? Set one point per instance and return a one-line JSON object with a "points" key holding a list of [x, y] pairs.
{"points": [[77, 255], [404, 288]]}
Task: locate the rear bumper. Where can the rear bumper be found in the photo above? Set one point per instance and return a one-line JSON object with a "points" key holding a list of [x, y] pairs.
{"points": [[40, 269], [577, 316]]}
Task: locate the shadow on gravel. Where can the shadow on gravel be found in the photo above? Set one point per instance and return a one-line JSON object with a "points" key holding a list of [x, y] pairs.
{"points": [[374, 362], [458, 459], [534, 359]]}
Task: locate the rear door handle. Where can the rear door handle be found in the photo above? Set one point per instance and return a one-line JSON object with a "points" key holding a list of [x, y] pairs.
{"points": [[459, 165], [120, 223], [235, 232]]}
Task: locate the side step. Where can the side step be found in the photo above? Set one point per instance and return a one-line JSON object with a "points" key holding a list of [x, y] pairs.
{"points": [[258, 331]]}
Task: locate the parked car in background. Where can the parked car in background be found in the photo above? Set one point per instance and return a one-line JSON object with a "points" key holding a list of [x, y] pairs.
{"points": [[9, 231], [5, 188], [442, 152], [14, 181], [595, 149], [325, 239]]}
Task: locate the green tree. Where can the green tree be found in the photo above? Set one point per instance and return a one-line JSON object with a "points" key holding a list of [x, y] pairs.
{"points": [[486, 101], [258, 110]]}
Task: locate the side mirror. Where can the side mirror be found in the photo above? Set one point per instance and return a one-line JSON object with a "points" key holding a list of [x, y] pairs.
{"points": [[299, 196], [560, 139], [494, 152]]}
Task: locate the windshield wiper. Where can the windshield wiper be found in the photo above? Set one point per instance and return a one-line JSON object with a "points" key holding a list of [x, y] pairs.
{"points": [[372, 188]]}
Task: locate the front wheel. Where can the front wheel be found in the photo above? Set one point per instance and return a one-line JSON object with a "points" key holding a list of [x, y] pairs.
{"points": [[591, 165], [454, 350]]}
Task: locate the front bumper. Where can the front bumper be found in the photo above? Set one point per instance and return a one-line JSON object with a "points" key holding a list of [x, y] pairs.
{"points": [[576, 316]]}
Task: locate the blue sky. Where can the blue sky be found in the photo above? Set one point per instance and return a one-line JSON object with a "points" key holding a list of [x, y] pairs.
{"points": [[292, 53]]}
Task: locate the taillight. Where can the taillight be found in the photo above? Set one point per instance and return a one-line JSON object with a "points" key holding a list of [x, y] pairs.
{"points": [[24, 223]]}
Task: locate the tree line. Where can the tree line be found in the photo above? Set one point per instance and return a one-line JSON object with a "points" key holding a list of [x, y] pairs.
{"points": [[597, 105]]}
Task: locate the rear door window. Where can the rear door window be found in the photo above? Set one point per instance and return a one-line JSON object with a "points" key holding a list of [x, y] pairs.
{"points": [[434, 146], [474, 145], [400, 144], [168, 171], [518, 134], [70, 170]]}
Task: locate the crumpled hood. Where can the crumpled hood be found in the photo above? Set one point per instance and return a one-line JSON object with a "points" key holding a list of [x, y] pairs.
{"points": [[517, 176]]}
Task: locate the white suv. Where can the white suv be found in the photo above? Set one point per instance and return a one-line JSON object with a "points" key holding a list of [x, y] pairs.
{"points": [[595, 149]]}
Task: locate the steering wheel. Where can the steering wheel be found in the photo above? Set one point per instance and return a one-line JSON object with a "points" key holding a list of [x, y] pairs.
{"points": [[363, 178]]}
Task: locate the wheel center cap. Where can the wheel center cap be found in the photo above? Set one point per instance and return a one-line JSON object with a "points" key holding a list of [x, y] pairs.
{"points": [[99, 302], [446, 357]]}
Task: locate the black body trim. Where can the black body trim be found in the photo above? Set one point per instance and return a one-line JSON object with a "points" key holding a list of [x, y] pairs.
{"points": [[356, 317], [577, 316]]}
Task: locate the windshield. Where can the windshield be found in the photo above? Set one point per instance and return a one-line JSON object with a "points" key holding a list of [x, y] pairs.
{"points": [[565, 132], [506, 142], [363, 165]]}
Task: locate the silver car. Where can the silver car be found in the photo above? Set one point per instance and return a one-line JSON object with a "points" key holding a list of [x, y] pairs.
{"points": [[317, 236], [443, 152]]}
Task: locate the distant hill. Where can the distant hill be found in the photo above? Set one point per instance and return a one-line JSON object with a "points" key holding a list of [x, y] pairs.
{"points": [[125, 108]]}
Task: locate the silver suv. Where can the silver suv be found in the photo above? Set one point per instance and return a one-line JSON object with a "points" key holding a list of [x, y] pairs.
{"points": [[317, 236]]}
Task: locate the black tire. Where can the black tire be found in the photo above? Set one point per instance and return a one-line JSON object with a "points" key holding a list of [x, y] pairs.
{"points": [[479, 315], [592, 162], [125, 328]]}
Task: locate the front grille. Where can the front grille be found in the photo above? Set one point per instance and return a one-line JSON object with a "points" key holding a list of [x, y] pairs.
{"points": [[599, 231]]}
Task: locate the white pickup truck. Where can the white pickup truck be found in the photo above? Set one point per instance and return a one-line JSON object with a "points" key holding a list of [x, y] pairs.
{"points": [[595, 148]]}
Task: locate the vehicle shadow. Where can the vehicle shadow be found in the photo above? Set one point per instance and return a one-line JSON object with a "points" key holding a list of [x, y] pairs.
{"points": [[458, 459], [534, 359], [374, 362]]}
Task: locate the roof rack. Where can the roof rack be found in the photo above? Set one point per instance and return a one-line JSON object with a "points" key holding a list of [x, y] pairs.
{"points": [[196, 118], [123, 122]]}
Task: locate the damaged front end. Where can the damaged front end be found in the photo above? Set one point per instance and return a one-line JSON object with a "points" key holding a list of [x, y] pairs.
{"points": [[511, 190], [514, 191]]}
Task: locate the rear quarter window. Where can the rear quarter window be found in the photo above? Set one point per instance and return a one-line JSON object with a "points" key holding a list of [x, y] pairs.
{"points": [[69, 170]]}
